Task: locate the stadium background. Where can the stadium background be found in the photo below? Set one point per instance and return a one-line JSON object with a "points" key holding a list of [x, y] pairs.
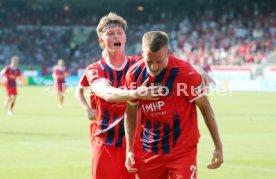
{"points": [[237, 39]]}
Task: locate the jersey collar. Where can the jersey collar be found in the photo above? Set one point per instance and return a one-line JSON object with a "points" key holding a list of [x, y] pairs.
{"points": [[107, 60]]}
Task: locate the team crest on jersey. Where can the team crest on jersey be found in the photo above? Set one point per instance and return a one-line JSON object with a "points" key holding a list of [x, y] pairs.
{"points": [[92, 74]]}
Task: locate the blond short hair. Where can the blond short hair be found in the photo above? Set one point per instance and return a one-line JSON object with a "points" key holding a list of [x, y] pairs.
{"points": [[15, 58], [110, 19], [155, 40]]}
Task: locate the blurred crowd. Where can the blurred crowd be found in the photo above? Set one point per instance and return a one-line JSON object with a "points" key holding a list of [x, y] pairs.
{"points": [[229, 39], [229, 36], [45, 46]]}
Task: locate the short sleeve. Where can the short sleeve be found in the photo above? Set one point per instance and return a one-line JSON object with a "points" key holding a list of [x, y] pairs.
{"points": [[83, 81], [93, 73], [19, 73], [67, 71]]}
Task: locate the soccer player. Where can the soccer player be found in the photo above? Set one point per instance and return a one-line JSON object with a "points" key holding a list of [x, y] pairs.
{"points": [[11, 72], [106, 77], [60, 72], [167, 145]]}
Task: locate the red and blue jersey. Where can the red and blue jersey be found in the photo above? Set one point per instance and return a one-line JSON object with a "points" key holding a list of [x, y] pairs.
{"points": [[172, 120], [110, 123], [11, 74]]}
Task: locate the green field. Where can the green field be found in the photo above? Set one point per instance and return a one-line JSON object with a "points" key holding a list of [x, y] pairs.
{"points": [[41, 141]]}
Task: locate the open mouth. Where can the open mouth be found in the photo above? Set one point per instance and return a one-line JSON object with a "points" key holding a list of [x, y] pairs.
{"points": [[117, 44]]}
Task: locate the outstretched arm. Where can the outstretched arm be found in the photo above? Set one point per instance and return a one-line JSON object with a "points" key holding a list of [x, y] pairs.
{"points": [[104, 90], [211, 124], [130, 122]]}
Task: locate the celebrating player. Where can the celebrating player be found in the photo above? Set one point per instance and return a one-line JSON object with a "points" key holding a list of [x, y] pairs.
{"points": [[106, 77], [167, 145], [11, 72]]}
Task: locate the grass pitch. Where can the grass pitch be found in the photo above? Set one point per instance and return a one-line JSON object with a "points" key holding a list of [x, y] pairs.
{"points": [[41, 141]]}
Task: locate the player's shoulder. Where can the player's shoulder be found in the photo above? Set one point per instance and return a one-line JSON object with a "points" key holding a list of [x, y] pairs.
{"points": [[135, 68], [134, 59], [95, 70], [7, 67], [183, 67], [96, 65], [55, 68], [180, 63], [185, 70]]}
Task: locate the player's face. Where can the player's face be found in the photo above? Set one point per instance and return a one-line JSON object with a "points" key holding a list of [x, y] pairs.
{"points": [[114, 38], [61, 63], [15, 61], [155, 61]]}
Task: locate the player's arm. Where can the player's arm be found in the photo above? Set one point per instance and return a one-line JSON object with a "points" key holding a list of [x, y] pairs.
{"points": [[206, 79], [104, 90], [54, 74], [79, 93], [19, 74], [3, 72], [67, 73], [130, 122], [209, 118]]}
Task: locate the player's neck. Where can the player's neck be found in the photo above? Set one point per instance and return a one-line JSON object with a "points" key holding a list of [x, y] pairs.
{"points": [[116, 60], [60, 67], [13, 66]]}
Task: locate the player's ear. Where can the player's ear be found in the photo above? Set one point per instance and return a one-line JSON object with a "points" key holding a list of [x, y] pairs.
{"points": [[101, 43], [125, 39], [169, 51]]}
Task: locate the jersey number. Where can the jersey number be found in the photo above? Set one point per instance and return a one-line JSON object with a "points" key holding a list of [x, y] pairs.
{"points": [[193, 169]]}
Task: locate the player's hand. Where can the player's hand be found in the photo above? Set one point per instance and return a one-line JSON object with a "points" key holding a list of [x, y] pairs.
{"points": [[130, 161], [206, 79], [148, 93], [91, 113], [217, 159]]}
